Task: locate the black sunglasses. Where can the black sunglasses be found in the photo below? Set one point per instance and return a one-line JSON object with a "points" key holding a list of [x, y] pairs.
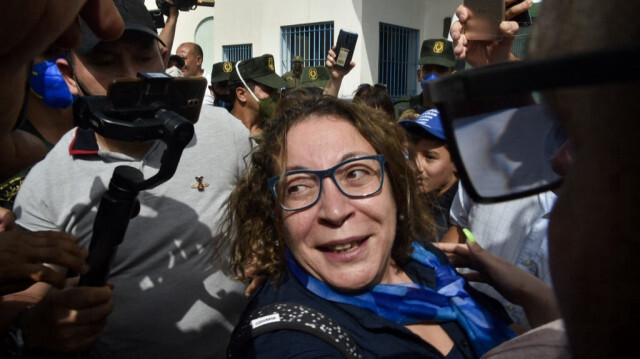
{"points": [[378, 85]]}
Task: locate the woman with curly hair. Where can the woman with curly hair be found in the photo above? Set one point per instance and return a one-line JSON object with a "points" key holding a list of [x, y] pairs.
{"points": [[328, 212]]}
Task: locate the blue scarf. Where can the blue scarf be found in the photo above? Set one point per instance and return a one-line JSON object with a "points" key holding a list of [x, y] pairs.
{"points": [[410, 303]]}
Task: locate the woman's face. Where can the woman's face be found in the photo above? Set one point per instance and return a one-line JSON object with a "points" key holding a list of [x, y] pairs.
{"points": [[436, 170], [344, 242]]}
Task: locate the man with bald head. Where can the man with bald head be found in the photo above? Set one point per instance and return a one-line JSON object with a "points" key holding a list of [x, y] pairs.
{"points": [[193, 56]]}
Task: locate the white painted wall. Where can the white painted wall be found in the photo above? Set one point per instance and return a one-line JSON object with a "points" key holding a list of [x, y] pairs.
{"points": [[258, 22]]}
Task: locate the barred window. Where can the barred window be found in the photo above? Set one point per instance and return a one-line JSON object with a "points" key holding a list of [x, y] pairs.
{"points": [[310, 41], [237, 53], [398, 59]]}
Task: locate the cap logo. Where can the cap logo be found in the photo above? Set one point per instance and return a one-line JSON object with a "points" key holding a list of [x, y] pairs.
{"points": [[227, 67], [438, 47], [271, 65], [313, 74]]}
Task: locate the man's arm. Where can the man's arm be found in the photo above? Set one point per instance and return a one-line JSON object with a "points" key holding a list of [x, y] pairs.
{"points": [[337, 74], [515, 284], [168, 32]]}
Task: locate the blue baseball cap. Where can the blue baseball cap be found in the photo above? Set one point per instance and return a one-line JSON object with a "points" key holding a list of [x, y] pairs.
{"points": [[428, 121]]}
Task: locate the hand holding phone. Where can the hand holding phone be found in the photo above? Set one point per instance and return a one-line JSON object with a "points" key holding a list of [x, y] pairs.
{"points": [[484, 19], [523, 19], [344, 48]]}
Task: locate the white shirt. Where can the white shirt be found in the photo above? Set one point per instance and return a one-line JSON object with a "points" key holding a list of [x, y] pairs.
{"points": [[208, 97], [514, 230]]}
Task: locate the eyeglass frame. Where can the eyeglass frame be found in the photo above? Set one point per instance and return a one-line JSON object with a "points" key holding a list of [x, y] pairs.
{"points": [[330, 172], [487, 83]]}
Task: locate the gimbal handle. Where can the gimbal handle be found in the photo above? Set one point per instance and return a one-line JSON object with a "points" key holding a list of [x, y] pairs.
{"points": [[119, 204]]}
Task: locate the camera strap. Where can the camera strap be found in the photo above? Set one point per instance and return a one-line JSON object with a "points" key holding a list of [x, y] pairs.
{"points": [[291, 316]]}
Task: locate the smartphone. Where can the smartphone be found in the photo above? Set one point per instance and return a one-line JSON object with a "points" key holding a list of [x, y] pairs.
{"points": [[485, 19], [158, 18], [154, 90], [344, 48]]}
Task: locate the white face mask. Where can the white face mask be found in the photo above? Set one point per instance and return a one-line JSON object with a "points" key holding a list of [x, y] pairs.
{"points": [[267, 106]]}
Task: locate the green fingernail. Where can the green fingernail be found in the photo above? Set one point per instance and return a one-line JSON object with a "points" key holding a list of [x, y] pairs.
{"points": [[470, 237]]}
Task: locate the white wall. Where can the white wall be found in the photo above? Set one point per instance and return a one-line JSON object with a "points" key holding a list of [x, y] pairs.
{"points": [[258, 22]]}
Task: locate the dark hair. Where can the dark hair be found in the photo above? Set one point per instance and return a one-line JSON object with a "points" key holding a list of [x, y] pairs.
{"points": [[376, 97], [236, 84], [177, 59], [415, 135], [254, 217]]}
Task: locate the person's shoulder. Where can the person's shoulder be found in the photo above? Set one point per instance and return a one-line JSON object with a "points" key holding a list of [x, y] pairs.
{"points": [[404, 103], [400, 101], [57, 154], [221, 119], [546, 341], [287, 75], [288, 294]]}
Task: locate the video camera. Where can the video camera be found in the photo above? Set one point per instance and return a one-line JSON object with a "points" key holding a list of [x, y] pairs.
{"points": [[183, 5]]}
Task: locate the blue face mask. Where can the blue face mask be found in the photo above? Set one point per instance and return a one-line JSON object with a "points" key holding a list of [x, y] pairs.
{"points": [[49, 85], [426, 79]]}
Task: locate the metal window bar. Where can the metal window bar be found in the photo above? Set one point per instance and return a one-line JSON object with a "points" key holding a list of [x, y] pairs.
{"points": [[398, 59], [311, 41], [237, 53]]}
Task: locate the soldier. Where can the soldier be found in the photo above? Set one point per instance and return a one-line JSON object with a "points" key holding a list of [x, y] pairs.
{"points": [[293, 77], [219, 88], [315, 76], [436, 59], [255, 87]]}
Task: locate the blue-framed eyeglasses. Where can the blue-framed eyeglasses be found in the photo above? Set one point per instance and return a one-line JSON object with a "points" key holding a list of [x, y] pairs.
{"points": [[356, 178], [501, 134]]}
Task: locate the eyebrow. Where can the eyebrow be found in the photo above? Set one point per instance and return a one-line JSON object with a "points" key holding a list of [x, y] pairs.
{"points": [[346, 156]]}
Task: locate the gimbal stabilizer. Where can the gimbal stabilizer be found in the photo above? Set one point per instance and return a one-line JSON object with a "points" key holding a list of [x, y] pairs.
{"points": [[145, 121]]}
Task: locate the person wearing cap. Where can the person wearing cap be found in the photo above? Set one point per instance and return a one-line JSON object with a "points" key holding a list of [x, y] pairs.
{"points": [[437, 175], [315, 76], [219, 88], [293, 78], [256, 87], [377, 97], [164, 264], [436, 59]]}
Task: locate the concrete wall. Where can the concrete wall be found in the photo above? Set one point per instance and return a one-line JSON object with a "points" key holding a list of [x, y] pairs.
{"points": [[258, 22]]}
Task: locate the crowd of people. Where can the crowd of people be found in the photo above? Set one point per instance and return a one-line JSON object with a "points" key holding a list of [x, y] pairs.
{"points": [[298, 224]]}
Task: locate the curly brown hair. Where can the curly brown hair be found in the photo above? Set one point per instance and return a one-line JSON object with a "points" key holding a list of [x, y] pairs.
{"points": [[254, 218]]}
